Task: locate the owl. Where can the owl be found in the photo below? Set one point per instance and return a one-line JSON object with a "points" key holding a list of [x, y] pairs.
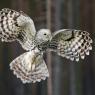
{"points": [[30, 66]]}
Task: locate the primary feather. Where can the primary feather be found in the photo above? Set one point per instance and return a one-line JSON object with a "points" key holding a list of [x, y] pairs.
{"points": [[17, 26], [71, 44]]}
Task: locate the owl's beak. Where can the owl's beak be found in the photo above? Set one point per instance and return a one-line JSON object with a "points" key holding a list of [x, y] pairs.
{"points": [[50, 37]]}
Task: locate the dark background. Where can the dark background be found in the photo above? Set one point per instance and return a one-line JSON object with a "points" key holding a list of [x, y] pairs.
{"points": [[66, 77]]}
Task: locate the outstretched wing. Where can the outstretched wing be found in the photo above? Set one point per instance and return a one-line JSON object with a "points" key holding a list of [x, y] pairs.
{"points": [[16, 26], [71, 44], [30, 67]]}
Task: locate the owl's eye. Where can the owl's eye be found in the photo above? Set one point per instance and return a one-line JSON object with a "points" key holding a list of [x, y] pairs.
{"points": [[45, 34]]}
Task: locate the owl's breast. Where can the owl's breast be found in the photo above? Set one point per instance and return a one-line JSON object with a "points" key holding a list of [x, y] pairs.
{"points": [[43, 46]]}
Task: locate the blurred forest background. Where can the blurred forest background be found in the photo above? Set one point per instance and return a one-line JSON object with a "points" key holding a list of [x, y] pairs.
{"points": [[66, 77]]}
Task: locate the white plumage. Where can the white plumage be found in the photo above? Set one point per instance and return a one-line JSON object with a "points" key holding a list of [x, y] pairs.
{"points": [[30, 66]]}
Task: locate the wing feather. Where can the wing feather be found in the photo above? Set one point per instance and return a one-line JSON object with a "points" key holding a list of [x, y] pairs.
{"points": [[71, 44], [17, 26]]}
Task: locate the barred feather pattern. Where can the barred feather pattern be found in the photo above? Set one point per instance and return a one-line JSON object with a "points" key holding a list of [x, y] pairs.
{"points": [[76, 46], [79, 46], [30, 67], [17, 26], [8, 24]]}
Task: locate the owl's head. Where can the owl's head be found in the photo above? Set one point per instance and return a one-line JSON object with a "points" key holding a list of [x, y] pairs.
{"points": [[43, 35]]}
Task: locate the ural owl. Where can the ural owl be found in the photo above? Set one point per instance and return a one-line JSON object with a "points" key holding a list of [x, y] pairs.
{"points": [[30, 66]]}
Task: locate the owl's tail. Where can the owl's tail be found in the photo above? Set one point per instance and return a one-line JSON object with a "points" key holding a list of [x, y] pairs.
{"points": [[30, 67]]}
